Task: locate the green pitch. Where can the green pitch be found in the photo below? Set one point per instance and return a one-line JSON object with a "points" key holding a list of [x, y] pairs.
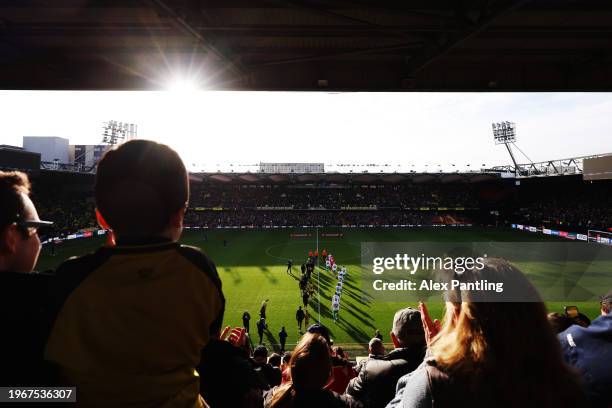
{"points": [[253, 267]]}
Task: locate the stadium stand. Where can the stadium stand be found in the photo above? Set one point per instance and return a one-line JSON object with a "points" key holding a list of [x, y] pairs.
{"points": [[562, 202], [567, 203]]}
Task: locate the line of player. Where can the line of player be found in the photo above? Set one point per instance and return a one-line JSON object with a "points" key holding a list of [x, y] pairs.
{"points": [[340, 272]]}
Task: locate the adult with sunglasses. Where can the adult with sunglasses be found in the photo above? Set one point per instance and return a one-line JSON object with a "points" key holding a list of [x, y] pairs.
{"points": [[23, 293]]}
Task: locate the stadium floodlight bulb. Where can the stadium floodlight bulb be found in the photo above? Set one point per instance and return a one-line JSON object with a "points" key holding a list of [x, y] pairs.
{"points": [[504, 132]]}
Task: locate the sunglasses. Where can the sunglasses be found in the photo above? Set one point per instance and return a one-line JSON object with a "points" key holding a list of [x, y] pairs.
{"points": [[30, 227]]}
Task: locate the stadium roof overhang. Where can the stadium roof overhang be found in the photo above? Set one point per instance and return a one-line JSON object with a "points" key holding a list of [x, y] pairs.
{"points": [[343, 178], [316, 45]]}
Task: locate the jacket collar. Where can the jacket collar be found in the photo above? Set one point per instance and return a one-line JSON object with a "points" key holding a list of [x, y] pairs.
{"points": [[135, 240], [403, 352], [130, 244]]}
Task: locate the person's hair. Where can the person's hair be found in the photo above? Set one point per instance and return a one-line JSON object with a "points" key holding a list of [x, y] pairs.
{"points": [[286, 357], [260, 351], [407, 327], [338, 351], [274, 360], [484, 346], [139, 186], [559, 322], [12, 207], [376, 345], [310, 368], [318, 328]]}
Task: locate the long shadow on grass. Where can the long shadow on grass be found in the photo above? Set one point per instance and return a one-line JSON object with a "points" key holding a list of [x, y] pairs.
{"points": [[325, 281], [268, 275], [271, 341], [325, 311], [359, 310], [356, 333], [350, 308], [235, 276], [355, 296], [353, 301]]}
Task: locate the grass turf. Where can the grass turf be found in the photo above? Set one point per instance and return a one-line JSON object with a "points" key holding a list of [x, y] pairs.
{"points": [[253, 266]]}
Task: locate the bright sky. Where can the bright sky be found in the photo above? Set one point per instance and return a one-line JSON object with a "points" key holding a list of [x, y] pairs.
{"points": [[213, 129]]}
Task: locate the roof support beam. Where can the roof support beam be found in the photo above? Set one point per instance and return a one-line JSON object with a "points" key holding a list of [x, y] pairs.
{"points": [[339, 16], [334, 55], [435, 51]]}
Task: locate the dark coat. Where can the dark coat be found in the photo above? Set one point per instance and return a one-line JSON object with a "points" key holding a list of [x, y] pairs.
{"points": [[375, 384], [24, 308]]}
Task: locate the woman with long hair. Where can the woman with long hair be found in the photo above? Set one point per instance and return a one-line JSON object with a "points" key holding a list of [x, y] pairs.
{"points": [[494, 349], [310, 369]]}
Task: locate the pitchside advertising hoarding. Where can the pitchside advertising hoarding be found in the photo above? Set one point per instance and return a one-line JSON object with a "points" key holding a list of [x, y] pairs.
{"points": [[431, 271], [600, 237], [76, 235]]}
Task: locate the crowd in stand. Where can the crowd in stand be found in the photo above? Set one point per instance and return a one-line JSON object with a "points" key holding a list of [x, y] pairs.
{"points": [[73, 215], [260, 206], [332, 197], [571, 204], [553, 203], [135, 322], [212, 219], [576, 215]]}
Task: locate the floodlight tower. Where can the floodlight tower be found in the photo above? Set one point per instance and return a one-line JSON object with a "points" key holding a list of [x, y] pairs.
{"points": [[114, 132], [505, 133]]}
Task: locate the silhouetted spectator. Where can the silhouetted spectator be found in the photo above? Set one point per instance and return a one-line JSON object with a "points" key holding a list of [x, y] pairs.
{"points": [[275, 360], [375, 384], [310, 367], [131, 320], [590, 351], [559, 322], [228, 377], [272, 375], [582, 320], [376, 348], [23, 293]]}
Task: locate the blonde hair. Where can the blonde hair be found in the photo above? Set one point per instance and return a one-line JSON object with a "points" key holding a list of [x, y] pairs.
{"points": [[484, 342]]}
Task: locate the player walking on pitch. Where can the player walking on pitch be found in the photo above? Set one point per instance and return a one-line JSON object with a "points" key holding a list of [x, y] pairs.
{"points": [[335, 309]]}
